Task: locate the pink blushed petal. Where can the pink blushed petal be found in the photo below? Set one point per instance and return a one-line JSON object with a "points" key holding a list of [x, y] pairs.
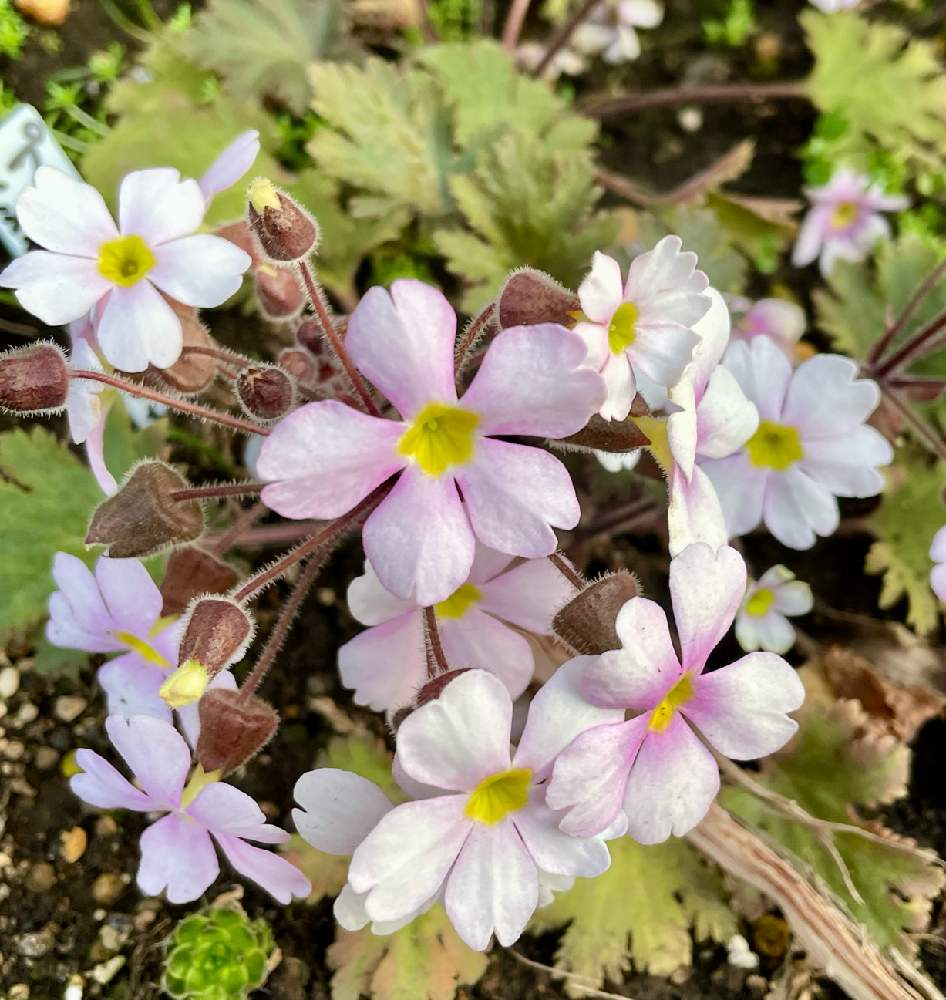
{"points": [[530, 384], [461, 737], [133, 600], [55, 288], [339, 809], [177, 855], [740, 488], [557, 852], [281, 879], [221, 808], [621, 386], [158, 206], [487, 565], [743, 709], [138, 328], [480, 642], [403, 342], [514, 495], [132, 687], [79, 618], [636, 675], [156, 753], [938, 546], [694, 513], [797, 509], [529, 595], [672, 785], [200, 270], [938, 581], [590, 776], [725, 418], [230, 165], [682, 426], [101, 785], [706, 588], [763, 372], [662, 351], [602, 290], [493, 888], [324, 458], [188, 717], [386, 664], [558, 713], [826, 399], [847, 465], [64, 215], [713, 331], [771, 632], [95, 452], [371, 603], [406, 857], [419, 540]]}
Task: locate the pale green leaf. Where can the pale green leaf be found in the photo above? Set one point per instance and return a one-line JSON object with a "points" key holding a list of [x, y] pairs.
{"points": [[640, 911]]}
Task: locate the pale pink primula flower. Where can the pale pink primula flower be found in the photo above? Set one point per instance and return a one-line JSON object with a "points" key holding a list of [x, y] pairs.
{"points": [[611, 29], [812, 444], [387, 663], [478, 833], [639, 332], [177, 852], [781, 320], [86, 410], [654, 766], [762, 622], [938, 555], [456, 482], [844, 221]]}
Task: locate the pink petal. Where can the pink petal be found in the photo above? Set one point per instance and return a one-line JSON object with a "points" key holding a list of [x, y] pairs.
{"points": [[158, 206], [132, 687], [621, 387], [529, 595], [156, 753], [230, 165], [694, 513], [797, 509], [706, 588], [339, 809], [602, 290], [221, 808], [938, 546], [188, 717], [554, 851], [530, 383], [713, 331], [487, 565], [811, 235], [771, 632], [53, 287], [763, 372], [101, 785], [938, 581], [406, 857], [742, 709], [79, 618], [662, 351], [133, 600], [847, 464], [177, 855], [324, 458], [64, 215], [672, 785], [558, 713], [460, 737], [95, 453], [481, 642], [200, 270], [514, 495], [725, 418], [419, 540], [638, 674], [403, 342], [826, 399], [386, 664], [590, 776], [682, 426], [138, 328], [371, 603], [493, 888], [275, 874], [740, 489]]}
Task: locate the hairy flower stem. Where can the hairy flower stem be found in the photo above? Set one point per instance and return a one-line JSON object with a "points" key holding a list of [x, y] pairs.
{"points": [[321, 315], [437, 660], [471, 336], [669, 97], [215, 492], [564, 567], [330, 534], [181, 405], [561, 37], [226, 357], [245, 519], [901, 321], [272, 534]]}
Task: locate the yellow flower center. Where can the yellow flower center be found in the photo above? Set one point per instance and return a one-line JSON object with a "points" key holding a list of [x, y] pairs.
{"points": [[459, 602], [774, 446], [199, 780], [844, 214], [678, 695], [495, 797], [186, 685], [622, 330], [144, 649], [126, 260], [440, 437], [760, 602]]}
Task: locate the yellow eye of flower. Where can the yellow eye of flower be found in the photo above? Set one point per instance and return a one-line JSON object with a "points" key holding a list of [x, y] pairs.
{"points": [[459, 602], [844, 214], [495, 797], [622, 330], [440, 437], [145, 650], [126, 260], [774, 446], [199, 780], [186, 685], [678, 695], [760, 602]]}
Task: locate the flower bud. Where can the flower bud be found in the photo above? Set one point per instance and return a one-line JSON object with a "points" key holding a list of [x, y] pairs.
{"points": [[192, 571], [143, 517], [300, 365], [281, 297], [33, 379], [185, 685], [616, 436], [266, 392], [232, 730], [530, 297], [586, 623], [309, 336], [286, 232], [217, 634], [192, 372]]}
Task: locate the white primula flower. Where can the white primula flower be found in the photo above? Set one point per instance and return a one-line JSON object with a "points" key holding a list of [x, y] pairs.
{"points": [[611, 29], [762, 622]]}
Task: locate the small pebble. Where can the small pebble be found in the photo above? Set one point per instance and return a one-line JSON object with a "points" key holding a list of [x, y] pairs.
{"points": [[46, 758], [41, 878], [756, 983], [107, 971], [26, 714], [72, 844], [5, 860], [35, 945], [107, 888], [9, 682], [20, 992], [13, 749], [741, 956], [105, 826], [69, 707], [75, 989]]}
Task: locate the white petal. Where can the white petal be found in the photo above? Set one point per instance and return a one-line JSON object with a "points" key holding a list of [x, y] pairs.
{"points": [[64, 215], [339, 809], [200, 270], [158, 206], [138, 328], [55, 288]]}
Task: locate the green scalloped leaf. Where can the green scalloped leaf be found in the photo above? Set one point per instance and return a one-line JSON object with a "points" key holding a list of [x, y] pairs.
{"points": [[640, 911]]}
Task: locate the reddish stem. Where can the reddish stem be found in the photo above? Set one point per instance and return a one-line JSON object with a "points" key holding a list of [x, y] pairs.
{"points": [[214, 492], [560, 40], [911, 349], [901, 321], [567, 570], [434, 643], [470, 337], [712, 94]]}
